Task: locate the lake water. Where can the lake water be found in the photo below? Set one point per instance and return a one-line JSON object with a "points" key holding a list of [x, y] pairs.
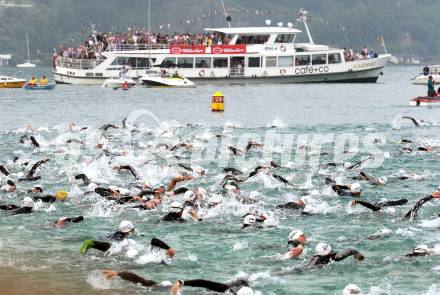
{"points": [[35, 256]]}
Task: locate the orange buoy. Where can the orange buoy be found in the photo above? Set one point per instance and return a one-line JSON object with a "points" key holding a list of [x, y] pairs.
{"points": [[218, 102]]}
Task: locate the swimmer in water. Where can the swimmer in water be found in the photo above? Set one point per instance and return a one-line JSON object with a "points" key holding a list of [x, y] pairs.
{"points": [[126, 229], [324, 255], [412, 214], [379, 206], [59, 196], [10, 186], [420, 250], [296, 242], [177, 288], [350, 190], [254, 220], [30, 176], [371, 180], [298, 205], [351, 289], [63, 221], [27, 206]]}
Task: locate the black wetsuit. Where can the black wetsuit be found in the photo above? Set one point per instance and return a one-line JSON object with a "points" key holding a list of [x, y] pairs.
{"points": [[3, 170], [72, 219], [379, 206], [412, 214], [173, 217], [84, 178], [13, 209], [46, 199], [291, 205], [134, 278], [318, 260], [118, 236]]}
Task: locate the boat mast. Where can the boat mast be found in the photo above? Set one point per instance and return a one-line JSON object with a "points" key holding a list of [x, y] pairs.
{"points": [[27, 41], [228, 17], [302, 17], [149, 33]]}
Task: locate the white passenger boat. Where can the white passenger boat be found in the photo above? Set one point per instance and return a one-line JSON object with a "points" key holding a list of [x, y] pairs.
{"points": [[154, 78], [422, 78], [252, 55]]}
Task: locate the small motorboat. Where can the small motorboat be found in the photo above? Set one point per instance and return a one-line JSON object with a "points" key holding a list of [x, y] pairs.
{"points": [[116, 83], [40, 87], [422, 78], [11, 82], [425, 101], [154, 78]]}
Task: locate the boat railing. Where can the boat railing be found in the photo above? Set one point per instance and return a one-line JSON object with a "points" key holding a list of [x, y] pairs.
{"points": [[236, 72], [82, 64], [133, 47]]}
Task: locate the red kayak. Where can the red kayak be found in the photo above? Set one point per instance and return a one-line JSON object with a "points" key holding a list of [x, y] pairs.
{"points": [[425, 101]]}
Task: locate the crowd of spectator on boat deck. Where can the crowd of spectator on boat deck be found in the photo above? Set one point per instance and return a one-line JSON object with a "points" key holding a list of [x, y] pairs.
{"points": [[99, 42], [364, 53]]}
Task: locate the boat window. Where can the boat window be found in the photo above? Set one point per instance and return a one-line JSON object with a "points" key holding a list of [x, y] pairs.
{"points": [[254, 62], [319, 59], [258, 39], [302, 60], [120, 61], [169, 62], [220, 62], [141, 62], [285, 61], [203, 62], [271, 61], [285, 38], [185, 62], [334, 58]]}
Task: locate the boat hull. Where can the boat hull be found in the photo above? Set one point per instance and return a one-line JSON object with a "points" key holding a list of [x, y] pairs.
{"points": [[424, 101], [364, 76], [18, 84], [423, 80], [166, 82], [40, 87]]}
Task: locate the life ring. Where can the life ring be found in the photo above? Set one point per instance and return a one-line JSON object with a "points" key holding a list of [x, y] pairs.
{"points": [[283, 71], [202, 73], [283, 48]]}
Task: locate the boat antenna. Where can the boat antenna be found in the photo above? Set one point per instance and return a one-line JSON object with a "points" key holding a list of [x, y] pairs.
{"points": [[149, 33], [228, 16], [94, 32], [27, 42], [302, 17]]}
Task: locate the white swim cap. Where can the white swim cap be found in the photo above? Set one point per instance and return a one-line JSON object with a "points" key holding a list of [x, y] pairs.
{"points": [[315, 192], [188, 196], [175, 207], [200, 191], [402, 172], [91, 187], [295, 234], [249, 220], [421, 249], [351, 289], [27, 202], [323, 249], [355, 187], [245, 291], [215, 200], [38, 187], [126, 226], [254, 195]]}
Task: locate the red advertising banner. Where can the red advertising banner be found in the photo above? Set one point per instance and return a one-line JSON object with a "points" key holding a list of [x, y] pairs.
{"points": [[187, 49], [228, 49]]}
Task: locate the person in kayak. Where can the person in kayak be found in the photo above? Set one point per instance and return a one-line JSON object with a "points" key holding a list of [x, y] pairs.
{"points": [[44, 81], [33, 81], [431, 90], [27, 206]]}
